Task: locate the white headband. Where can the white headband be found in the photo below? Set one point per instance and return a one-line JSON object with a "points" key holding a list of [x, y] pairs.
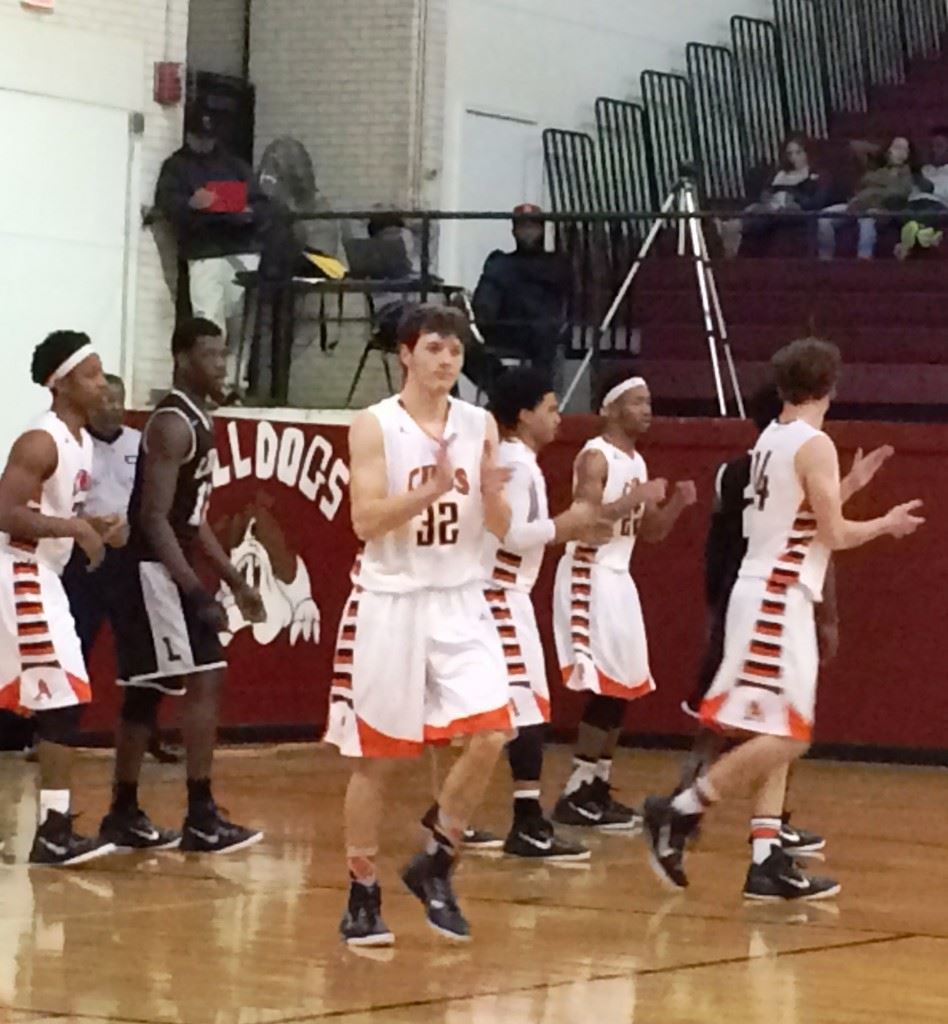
{"points": [[619, 390], [70, 364]]}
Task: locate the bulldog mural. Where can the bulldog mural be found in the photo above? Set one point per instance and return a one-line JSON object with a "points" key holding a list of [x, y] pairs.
{"points": [[259, 549]]}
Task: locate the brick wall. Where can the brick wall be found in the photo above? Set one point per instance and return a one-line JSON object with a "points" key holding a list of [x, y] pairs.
{"points": [[145, 21], [361, 85], [216, 36]]}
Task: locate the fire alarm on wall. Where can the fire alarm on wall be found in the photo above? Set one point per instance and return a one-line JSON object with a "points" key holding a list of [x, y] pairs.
{"points": [[37, 5], [168, 88]]}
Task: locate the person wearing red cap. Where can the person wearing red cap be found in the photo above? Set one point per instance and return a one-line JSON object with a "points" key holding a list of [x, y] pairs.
{"points": [[520, 300]]}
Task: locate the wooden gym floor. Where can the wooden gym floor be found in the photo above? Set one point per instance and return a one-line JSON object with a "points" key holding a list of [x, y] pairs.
{"points": [[252, 938]]}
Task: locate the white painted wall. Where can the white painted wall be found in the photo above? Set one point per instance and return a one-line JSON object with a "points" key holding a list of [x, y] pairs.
{"points": [[543, 63], [82, 68]]}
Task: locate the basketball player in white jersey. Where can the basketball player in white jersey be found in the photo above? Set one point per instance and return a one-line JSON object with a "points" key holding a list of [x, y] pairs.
{"points": [[765, 688], [42, 491], [600, 633], [525, 407], [418, 658]]}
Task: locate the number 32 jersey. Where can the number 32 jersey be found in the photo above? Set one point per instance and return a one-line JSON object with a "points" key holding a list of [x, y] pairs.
{"points": [[779, 524], [442, 547], [195, 478]]}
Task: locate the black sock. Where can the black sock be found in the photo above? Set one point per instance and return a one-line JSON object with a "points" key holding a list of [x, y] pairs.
{"points": [[526, 805], [199, 796], [124, 796]]}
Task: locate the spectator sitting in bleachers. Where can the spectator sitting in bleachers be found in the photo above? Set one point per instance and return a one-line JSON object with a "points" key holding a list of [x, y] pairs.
{"points": [[885, 187], [928, 203], [795, 187], [520, 300]]}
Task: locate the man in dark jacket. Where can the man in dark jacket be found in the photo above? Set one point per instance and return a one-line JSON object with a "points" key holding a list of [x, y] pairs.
{"points": [[212, 201], [520, 300]]}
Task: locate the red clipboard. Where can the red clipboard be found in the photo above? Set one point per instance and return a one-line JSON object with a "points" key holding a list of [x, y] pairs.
{"points": [[229, 196]]}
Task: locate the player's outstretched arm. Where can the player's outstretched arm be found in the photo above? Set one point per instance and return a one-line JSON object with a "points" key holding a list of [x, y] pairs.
{"points": [[165, 447], [863, 470], [658, 520], [32, 461], [375, 512], [494, 479], [817, 465]]}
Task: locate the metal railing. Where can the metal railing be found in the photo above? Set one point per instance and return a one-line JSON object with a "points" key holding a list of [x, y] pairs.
{"points": [[719, 121], [735, 107]]}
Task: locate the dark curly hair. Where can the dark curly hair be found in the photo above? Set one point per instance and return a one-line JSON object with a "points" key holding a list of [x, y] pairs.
{"points": [[53, 351], [517, 390]]}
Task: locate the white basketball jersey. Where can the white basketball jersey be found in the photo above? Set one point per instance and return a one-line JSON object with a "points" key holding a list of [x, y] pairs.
{"points": [[526, 494], [443, 546], [624, 472], [779, 525], [62, 496]]}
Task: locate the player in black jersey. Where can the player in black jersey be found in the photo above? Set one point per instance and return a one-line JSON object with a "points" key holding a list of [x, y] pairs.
{"points": [[168, 637]]}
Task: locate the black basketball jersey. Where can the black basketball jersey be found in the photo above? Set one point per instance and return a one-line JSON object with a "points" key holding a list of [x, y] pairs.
{"points": [[195, 477], [726, 544]]}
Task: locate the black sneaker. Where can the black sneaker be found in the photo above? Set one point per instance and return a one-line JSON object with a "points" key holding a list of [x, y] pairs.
{"points": [[798, 841], [481, 839], [211, 833], [667, 834], [534, 839], [134, 830], [428, 877], [780, 878], [362, 923], [57, 845], [616, 816]]}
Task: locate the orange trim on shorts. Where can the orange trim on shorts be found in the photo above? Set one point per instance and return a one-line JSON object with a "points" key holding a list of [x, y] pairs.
{"points": [[378, 744], [798, 727], [544, 705], [708, 712], [610, 687], [497, 720], [10, 696]]}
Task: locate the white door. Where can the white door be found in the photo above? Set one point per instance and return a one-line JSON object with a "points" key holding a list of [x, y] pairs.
{"points": [[501, 166], [64, 191]]}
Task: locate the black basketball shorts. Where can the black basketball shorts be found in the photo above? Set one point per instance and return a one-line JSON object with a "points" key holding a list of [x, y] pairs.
{"points": [[159, 636]]}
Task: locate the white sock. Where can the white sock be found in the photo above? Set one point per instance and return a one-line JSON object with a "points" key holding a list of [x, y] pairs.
{"points": [[53, 800], [527, 794], [583, 771], [604, 769], [765, 837], [695, 799]]}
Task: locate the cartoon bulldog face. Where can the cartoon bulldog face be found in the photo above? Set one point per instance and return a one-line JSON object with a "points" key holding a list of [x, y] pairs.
{"points": [[262, 557]]}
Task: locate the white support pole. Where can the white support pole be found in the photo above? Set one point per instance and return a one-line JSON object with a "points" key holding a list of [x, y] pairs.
{"points": [[690, 206], [644, 249]]}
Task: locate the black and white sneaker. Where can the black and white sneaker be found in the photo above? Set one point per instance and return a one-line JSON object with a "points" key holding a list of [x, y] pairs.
{"points": [[797, 841], [616, 816], [667, 834], [428, 877], [535, 840], [583, 809], [58, 845], [362, 923], [134, 830], [480, 839], [211, 833], [780, 878]]}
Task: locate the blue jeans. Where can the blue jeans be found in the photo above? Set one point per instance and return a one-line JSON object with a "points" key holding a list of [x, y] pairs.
{"points": [[826, 234]]}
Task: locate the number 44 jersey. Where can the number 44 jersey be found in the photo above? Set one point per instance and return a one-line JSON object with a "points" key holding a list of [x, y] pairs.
{"points": [[779, 524], [442, 547], [195, 477]]}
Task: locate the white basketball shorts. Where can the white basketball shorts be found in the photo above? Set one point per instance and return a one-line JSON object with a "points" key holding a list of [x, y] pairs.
{"points": [[41, 663], [767, 679], [413, 669], [523, 652], [599, 631]]}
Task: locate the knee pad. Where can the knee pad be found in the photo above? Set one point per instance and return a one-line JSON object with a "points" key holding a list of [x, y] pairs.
{"points": [[605, 713], [525, 753], [140, 706], [59, 725]]}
